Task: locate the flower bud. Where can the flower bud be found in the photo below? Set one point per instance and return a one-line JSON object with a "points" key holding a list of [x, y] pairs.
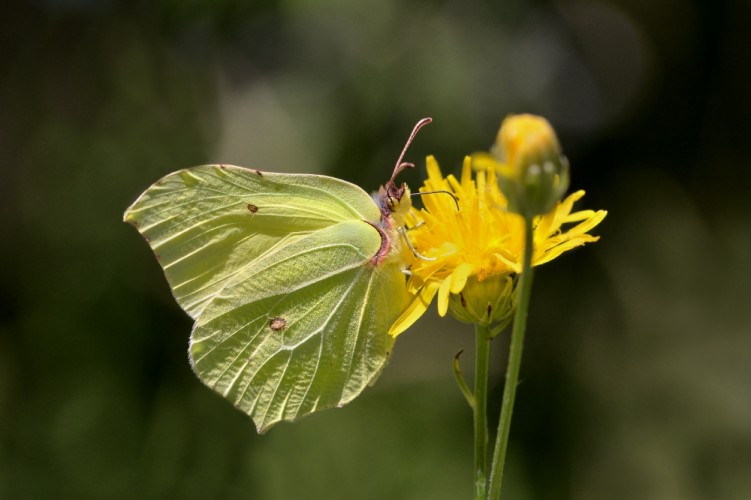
{"points": [[533, 174], [485, 302]]}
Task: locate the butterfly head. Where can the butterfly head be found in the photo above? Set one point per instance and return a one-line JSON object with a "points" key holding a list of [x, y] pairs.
{"points": [[394, 202]]}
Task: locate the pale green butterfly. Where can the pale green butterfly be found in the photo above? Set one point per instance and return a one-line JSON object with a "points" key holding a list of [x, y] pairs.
{"points": [[293, 281]]}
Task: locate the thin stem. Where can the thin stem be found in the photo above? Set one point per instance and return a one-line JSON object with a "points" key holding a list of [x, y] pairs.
{"points": [[482, 359], [466, 391], [514, 362]]}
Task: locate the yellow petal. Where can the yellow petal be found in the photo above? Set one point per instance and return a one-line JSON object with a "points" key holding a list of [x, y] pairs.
{"points": [[544, 225], [443, 297], [434, 171], [416, 309], [564, 247], [514, 266], [466, 177], [459, 277], [484, 161], [588, 224], [578, 216]]}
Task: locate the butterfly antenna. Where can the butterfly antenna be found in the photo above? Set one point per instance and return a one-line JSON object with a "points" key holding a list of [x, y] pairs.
{"points": [[456, 200], [403, 165]]}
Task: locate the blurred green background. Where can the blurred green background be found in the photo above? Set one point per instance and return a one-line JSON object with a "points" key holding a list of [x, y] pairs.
{"points": [[637, 371]]}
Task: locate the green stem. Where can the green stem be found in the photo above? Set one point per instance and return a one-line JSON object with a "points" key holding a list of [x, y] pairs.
{"points": [[514, 362], [482, 359], [466, 391]]}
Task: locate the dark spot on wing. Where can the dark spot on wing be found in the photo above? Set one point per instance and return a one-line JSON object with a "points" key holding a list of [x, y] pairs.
{"points": [[253, 209], [278, 324]]}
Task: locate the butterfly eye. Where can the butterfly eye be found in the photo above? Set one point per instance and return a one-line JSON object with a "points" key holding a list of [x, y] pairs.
{"points": [[392, 202]]}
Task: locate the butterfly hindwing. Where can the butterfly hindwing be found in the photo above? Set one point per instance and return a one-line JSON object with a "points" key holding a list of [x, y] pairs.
{"points": [[305, 329]]}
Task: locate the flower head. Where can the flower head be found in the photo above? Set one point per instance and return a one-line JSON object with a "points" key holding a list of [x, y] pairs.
{"points": [[473, 245], [532, 171]]}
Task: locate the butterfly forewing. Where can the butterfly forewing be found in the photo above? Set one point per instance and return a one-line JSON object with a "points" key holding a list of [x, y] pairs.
{"points": [[208, 225]]}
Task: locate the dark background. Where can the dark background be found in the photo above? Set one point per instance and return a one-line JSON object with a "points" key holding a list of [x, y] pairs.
{"points": [[636, 377]]}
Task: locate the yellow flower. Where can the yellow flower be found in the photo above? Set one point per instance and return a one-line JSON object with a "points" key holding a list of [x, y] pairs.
{"points": [[473, 252]]}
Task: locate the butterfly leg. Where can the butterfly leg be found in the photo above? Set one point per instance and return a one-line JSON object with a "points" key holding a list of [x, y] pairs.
{"points": [[403, 233]]}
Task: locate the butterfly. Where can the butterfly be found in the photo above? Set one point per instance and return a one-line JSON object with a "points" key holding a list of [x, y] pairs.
{"points": [[293, 281]]}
